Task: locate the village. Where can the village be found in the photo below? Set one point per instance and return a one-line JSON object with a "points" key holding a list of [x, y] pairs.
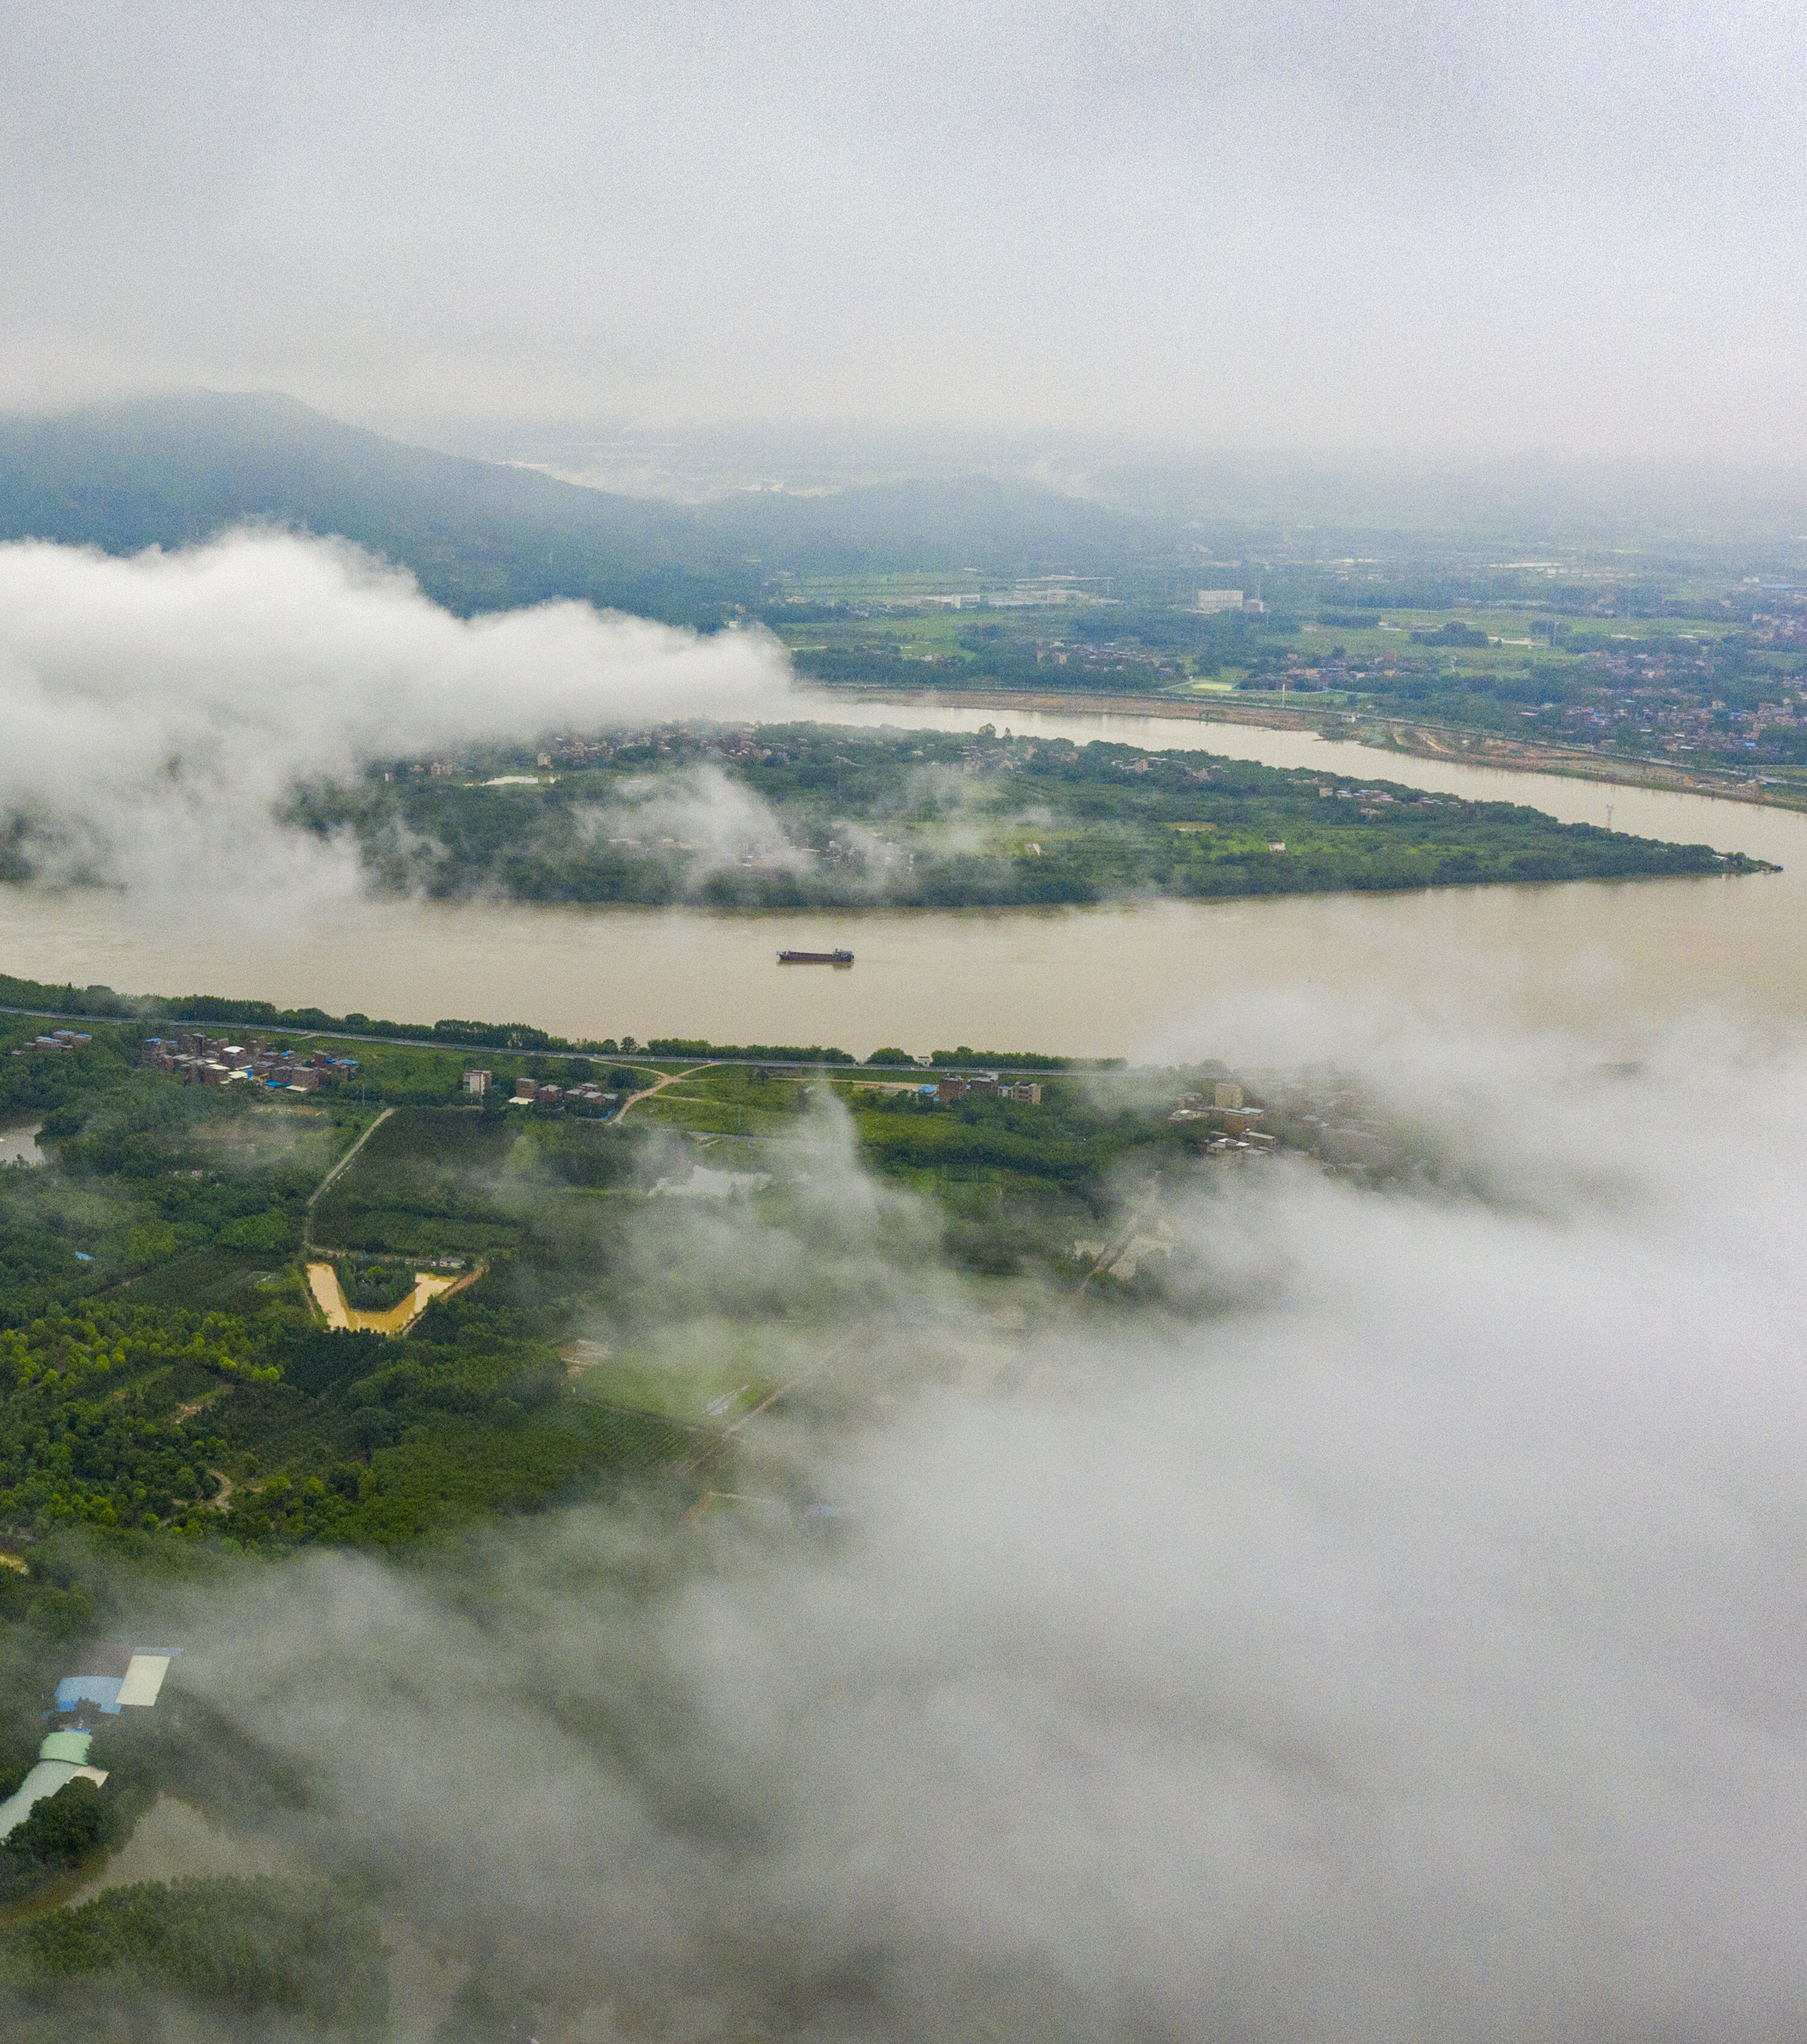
{"points": [[199, 1060], [535, 1092]]}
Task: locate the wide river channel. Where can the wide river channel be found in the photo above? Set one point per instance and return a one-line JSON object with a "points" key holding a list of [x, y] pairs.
{"points": [[1612, 960]]}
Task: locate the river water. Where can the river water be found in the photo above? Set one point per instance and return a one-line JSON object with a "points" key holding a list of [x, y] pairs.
{"points": [[18, 1143], [1614, 960]]}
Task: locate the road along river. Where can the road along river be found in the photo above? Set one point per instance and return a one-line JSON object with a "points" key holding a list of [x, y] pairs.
{"points": [[1613, 959]]}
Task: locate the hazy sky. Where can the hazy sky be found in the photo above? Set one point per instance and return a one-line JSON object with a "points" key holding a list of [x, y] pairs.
{"points": [[1461, 224]]}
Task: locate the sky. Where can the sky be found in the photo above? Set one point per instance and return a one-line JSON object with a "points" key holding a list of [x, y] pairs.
{"points": [[1463, 228]]}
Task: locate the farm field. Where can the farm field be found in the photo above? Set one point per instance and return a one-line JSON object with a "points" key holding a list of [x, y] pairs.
{"points": [[1629, 659]]}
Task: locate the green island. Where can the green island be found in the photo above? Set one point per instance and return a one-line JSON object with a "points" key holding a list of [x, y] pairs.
{"points": [[802, 816], [175, 1413]]}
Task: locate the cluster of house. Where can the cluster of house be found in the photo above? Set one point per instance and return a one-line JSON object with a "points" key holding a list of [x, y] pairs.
{"points": [[105, 1680], [531, 1092], [957, 1086], [58, 1039], [202, 1061], [1237, 1126]]}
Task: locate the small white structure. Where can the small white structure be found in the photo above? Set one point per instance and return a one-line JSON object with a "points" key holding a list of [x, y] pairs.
{"points": [[62, 1758], [143, 1679], [1220, 599]]}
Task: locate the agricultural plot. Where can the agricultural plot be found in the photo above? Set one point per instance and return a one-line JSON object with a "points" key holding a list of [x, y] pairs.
{"points": [[702, 1372], [727, 1101], [207, 1280], [429, 1182]]}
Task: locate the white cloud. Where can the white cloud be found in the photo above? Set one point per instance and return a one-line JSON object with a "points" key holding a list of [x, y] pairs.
{"points": [[157, 707], [1467, 226], [1411, 1646], [713, 822]]}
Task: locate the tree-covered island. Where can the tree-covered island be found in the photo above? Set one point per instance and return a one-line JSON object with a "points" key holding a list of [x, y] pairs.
{"points": [[804, 815]]}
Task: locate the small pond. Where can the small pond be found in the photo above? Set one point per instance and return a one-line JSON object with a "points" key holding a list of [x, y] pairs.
{"points": [[18, 1143]]}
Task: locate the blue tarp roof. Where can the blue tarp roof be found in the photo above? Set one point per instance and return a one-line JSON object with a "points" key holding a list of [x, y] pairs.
{"points": [[102, 1689]]}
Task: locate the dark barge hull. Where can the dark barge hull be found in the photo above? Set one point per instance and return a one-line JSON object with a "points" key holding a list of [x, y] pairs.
{"points": [[815, 957]]}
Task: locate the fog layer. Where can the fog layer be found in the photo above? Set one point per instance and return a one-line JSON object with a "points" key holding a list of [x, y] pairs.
{"points": [[1401, 1632], [1460, 224], [156, 707]]}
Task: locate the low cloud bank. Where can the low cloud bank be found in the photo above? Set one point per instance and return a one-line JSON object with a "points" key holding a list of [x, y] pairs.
{"points": [[1413, 1643], [713, 823], [157, 708]]}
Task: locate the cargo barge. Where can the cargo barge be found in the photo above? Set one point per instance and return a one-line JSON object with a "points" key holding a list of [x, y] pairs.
{"points": [[815, 957]]}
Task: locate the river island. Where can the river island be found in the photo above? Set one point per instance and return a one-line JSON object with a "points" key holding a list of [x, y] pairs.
{"points": [[812, 816]]}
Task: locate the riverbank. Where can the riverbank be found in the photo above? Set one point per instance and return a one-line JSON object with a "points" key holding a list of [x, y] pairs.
{"points": [[1489, 749], [1407, 737], [1615, 960]]}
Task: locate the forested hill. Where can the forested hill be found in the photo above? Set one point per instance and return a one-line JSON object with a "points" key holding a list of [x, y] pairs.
{"points": [[170, 471]]}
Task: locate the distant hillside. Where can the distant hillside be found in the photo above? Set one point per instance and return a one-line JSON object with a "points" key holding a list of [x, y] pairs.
{"points": [[999, 528], [482, 536], [170, 471]]}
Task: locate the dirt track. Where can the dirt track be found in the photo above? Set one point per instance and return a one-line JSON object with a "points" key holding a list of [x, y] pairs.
{"points": [[646, 1092]]}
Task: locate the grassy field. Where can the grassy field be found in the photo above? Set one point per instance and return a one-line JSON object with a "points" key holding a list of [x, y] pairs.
{"points": [[708, 1373], [429, 1182]]}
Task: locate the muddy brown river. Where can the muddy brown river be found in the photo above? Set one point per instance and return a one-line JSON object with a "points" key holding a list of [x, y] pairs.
{"points": [[1614, 960]]}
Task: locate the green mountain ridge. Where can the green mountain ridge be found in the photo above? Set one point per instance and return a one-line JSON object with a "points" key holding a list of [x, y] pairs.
{"points": [[172, 472]]}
